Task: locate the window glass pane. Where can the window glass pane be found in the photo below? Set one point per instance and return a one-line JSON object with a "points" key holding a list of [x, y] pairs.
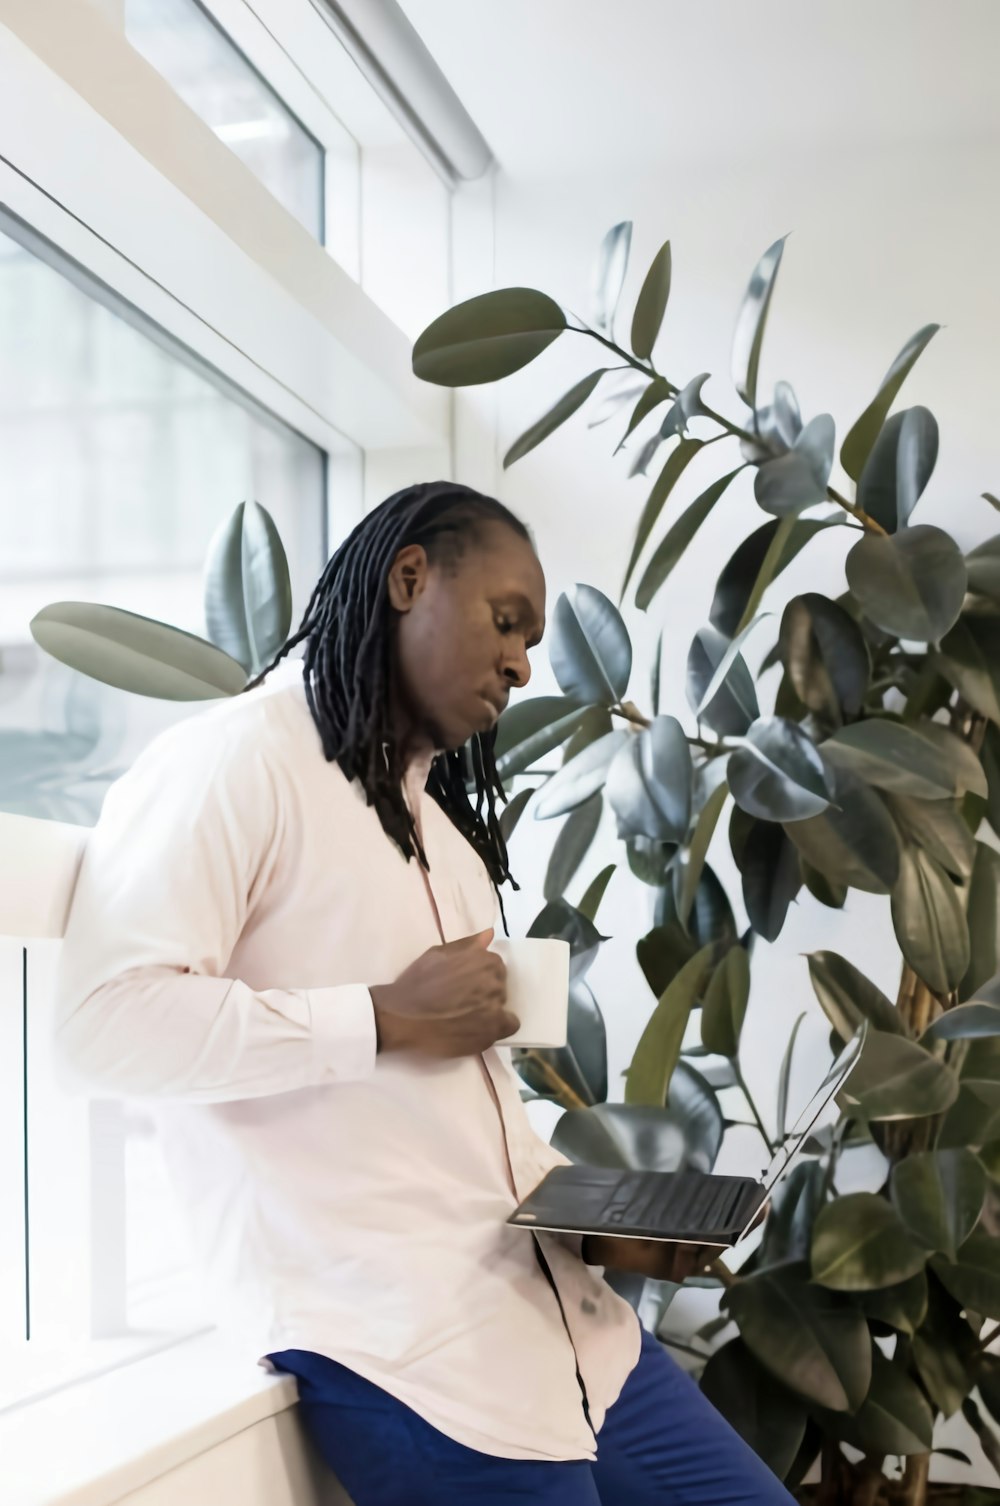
{"points": [[210, 74], [119, 457], [118, 460]]}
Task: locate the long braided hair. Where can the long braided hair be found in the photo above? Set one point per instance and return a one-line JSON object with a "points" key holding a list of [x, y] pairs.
{"points": [[349, 667]]}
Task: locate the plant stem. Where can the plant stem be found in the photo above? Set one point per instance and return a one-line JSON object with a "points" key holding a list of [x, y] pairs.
{"points": [[753, 1108], [994, 1333], [575, 329], [564, 1092], [629, 712], [863, 518]]}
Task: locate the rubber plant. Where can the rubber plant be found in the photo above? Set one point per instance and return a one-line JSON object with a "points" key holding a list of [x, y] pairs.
{"points": [[862, 754]]}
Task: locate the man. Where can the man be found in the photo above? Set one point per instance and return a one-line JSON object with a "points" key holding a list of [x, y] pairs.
{"points": [[280, 936]]}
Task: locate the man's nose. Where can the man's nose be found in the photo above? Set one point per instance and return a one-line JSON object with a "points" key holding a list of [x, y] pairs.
{"points": [[517, 669]]}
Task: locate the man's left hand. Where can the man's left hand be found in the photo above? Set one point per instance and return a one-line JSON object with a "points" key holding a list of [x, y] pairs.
{"points": [[657, 1258]]}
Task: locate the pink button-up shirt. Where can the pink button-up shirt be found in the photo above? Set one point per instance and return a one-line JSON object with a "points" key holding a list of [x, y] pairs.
{"points": [[236, 899]]}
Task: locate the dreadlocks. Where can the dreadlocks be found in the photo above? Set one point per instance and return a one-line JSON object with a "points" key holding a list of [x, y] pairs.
{"points": [[348, 667]]}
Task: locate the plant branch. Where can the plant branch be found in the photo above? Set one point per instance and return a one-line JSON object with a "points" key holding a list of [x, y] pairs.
{"points": [[758, 1121], [865, 519], [563, 1091], [647, 370], [629, 712], [994, 1333]]}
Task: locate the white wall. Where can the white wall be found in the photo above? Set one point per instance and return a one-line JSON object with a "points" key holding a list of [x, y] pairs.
{"points": [[882, 243]]}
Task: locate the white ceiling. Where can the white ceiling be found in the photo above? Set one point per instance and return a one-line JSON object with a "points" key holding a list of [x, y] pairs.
{"points": [[578, 86]]}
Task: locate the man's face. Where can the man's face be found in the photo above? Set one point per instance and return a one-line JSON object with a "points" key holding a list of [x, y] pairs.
{"points": [[464, 632]]}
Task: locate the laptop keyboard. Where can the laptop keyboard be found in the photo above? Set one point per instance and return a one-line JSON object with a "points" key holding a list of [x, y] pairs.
{"points": [[688, 1201]]}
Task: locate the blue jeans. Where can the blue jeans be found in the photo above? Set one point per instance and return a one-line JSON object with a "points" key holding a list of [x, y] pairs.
{"points": [[662, 1444]]}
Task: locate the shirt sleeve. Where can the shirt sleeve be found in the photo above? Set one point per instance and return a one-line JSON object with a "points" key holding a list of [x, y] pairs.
{"points": [[185, 846]]}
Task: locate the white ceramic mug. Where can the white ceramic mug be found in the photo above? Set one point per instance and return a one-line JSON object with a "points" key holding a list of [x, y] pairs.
{"points": [[537, 989]]}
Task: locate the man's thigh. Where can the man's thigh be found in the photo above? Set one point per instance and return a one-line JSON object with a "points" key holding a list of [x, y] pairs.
{"points": [[662, 1441], [384, 1454]]}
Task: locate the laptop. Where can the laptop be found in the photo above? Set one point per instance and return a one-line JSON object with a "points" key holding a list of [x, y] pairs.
{"points": [[679, 1207]]}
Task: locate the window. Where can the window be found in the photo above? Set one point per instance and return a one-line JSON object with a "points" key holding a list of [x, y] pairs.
{"points": [[197, 58], [119, 456]]}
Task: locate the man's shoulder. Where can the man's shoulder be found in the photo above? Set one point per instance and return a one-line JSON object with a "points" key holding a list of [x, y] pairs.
{"points": [[270, 724]]}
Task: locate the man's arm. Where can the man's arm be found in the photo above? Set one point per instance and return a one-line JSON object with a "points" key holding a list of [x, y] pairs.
{"points": [[184, 844]]}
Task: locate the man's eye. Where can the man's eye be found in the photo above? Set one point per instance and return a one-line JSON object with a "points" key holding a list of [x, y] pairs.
{"points": [[504, 625]]}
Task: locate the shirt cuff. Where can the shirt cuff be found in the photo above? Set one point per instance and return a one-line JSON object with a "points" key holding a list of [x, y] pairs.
{"points": [[343, 1023]]}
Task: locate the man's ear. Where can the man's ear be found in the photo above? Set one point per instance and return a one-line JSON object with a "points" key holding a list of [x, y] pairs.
{"points": [[408, 577]]}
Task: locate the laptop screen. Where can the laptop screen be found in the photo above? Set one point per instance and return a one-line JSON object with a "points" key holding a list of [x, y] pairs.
{"points": [[831, 1085]]}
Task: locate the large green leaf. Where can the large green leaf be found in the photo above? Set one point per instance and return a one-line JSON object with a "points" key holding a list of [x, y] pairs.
{"points": [[911, 583], [487, 337], [860, 1243], [863, 433], [650, 397], [512, 813], [976, 1020], [848, 998], [974, 1277], [899, 467], [825, 656], [989, 754], [136, 653], [650, 781], [711, 917], [897, 1079], [725, 1003], [708, 818], [854, 841], [739, 576], [561, 921], [769, 1417], [944, 1349], [591, 901], [939, 828], [733, 706], [974, 1118], [583, 1062], [939, 1196], [902, 1307], [983, 917], [554, 418], [796, 1201], [529, 730], [247, 588], [578, 780], [590, 650], [895, 1417], [797, 480], [970, 660], [659, 1046], [676, 463], [571, 846], [609, 274], [772, 877], [639, 1137], [784, 1077], [811, 1338], [749, 333], [983, 567], [929, 921], [906, 760], [677, 539], [778, 774], [651, 305]]}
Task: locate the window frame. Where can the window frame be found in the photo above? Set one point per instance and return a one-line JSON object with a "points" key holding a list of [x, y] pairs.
{"points": [[89, 171]]}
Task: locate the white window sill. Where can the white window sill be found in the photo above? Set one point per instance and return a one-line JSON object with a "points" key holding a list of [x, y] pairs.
{"points": [[92, 1443]]}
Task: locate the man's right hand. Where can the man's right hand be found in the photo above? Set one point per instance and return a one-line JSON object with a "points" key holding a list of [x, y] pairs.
{"points": [[450, 1002]]}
